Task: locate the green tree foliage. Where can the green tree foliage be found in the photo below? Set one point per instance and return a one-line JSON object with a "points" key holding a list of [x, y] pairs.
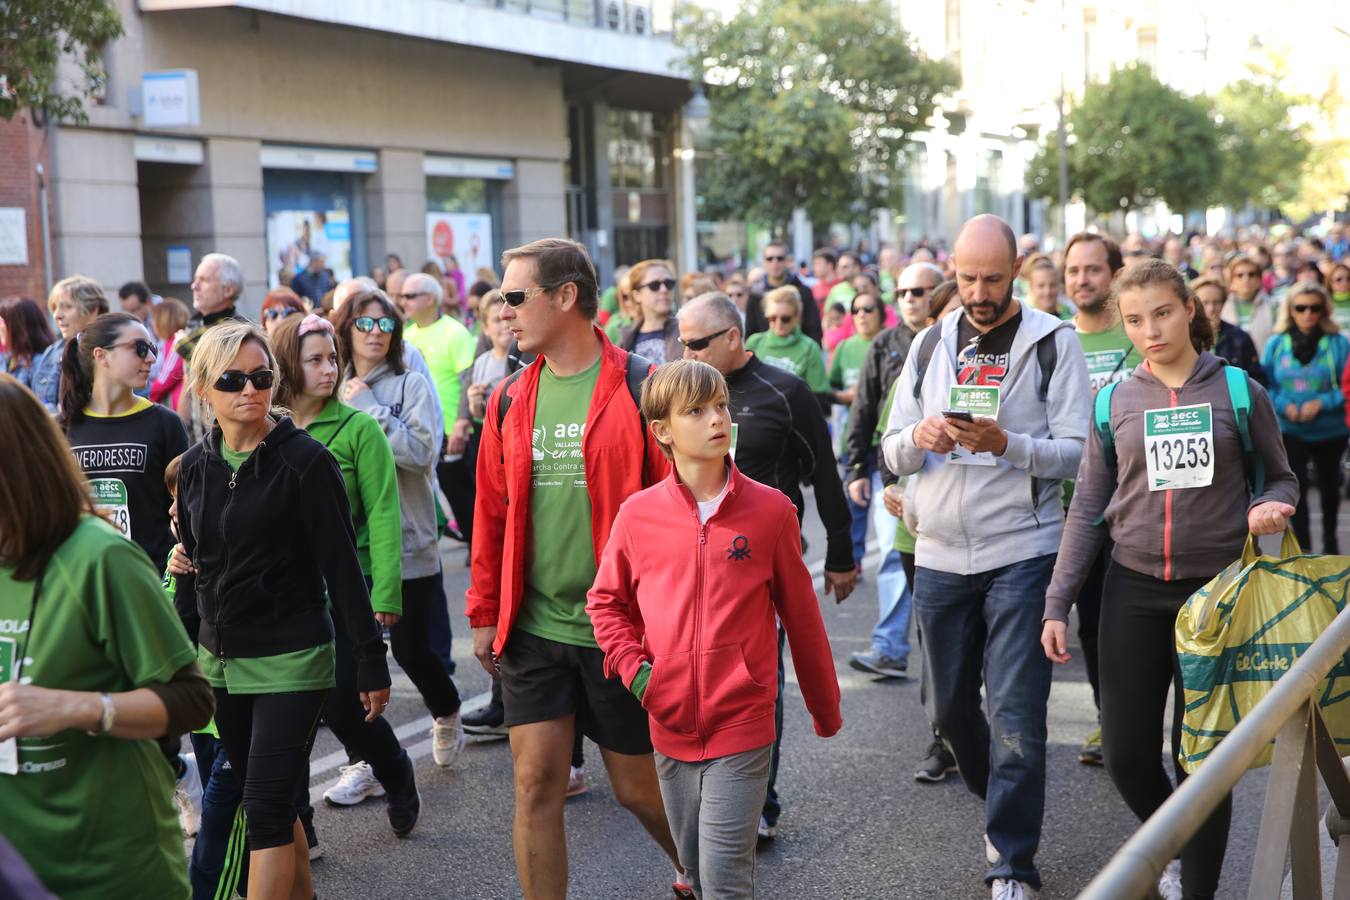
{"points": [[1134, 141], [1263, 151], [811, 104], [35, 36]]}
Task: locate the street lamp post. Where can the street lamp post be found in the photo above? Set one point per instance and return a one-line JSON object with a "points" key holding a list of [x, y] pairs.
{"points": [[693, 122]]}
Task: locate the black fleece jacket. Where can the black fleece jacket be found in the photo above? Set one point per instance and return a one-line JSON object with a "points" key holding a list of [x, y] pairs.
{"points": [[882, 366], [782, 440], [266, 542]]}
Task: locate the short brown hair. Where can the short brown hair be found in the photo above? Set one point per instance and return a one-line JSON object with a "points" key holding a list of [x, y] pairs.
{"points": [[43, 493], [941, 296], [1153, 271], [677, 386], [1114, 260], [171, 471], [169, 316], [289, 346], [558, 261]]}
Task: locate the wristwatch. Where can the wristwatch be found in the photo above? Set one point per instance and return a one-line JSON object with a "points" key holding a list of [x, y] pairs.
{"points": [[109, 717]]}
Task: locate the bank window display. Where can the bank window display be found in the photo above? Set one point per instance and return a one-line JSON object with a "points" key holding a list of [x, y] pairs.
{"points": [[463, 223], [636, 159], [313, 214]]}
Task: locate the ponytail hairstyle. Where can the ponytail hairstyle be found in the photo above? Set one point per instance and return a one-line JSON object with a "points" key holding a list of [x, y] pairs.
{"points": [[1150, 271], [77, 363]]}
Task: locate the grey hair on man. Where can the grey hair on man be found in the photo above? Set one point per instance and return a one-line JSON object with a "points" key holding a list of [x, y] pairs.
{"points": [[229, 272], [422, 283], [361, 284], [719, 309], [931, 268]]}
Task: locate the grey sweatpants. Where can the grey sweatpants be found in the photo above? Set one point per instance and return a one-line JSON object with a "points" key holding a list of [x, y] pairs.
{"points": [[713, 808]]}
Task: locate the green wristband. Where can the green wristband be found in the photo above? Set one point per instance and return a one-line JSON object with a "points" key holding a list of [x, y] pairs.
{"points": [[639, 683]]}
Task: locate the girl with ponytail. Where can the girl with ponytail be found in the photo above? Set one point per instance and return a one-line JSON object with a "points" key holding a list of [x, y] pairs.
{"points": [[121, 441]]}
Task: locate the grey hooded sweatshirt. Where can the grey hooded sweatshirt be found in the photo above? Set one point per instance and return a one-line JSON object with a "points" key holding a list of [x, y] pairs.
{"points": [[1182, 533], [979, 518], [405, 407]]}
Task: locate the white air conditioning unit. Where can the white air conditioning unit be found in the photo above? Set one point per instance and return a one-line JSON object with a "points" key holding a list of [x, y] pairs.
{"points": [[639, 20], [615, 13]]}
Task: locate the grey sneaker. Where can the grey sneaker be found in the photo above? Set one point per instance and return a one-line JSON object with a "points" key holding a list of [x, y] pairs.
{"points": [[875, 663], [937, 765]]}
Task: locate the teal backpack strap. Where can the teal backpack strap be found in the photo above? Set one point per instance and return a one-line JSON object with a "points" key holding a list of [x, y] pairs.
{"points": [[1101, 421], [1240, 394]]}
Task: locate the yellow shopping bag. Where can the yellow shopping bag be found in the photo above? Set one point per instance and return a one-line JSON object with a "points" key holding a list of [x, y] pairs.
{"points": [[1240, 633]]}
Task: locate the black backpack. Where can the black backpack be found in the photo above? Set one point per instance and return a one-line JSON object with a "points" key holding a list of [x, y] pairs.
{"points": [[1047, 357]]}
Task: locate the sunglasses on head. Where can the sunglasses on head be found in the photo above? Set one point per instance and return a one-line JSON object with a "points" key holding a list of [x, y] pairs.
{"points": [[697, 344], [1301, 308], [368, 323], [864, 309], [915, 291], [279, 312], [653, 286], [141, 347], [233, 382]]}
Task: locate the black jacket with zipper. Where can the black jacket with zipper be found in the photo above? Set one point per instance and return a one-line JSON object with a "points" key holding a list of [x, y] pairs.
{"points": [[266, 541]]}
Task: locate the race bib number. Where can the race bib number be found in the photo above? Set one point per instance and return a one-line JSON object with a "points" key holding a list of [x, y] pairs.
{"points": [[1179, 447], [1106, 366], [110, 499], [981, 401], [9, 671]]}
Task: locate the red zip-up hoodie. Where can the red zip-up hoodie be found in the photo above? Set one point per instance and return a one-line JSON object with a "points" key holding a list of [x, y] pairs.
{"points": [[698, 601], [620, 458]]}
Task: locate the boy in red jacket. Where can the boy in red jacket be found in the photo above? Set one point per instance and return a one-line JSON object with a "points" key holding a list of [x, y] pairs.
{"points": [[684, 608]]}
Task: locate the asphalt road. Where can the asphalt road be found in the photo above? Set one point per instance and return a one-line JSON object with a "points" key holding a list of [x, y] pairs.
{"points": [[855, 823]]}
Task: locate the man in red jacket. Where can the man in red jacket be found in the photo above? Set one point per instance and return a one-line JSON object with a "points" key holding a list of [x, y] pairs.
{"points": [[553, 470]]}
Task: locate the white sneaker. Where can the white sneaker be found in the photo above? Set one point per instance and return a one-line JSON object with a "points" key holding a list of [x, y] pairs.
{"points": [[187, 796], [1011, 889], [358, 782], [1169, 885], [576, 782], [447, 740], [991, 854]]}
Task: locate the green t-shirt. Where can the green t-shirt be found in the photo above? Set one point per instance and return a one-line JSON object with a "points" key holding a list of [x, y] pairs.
{"points": [[609, 300], [847, 363], [886, 281], [904, 538], [448, 348], [560, 561], [93, 816], [311, 669], [1340, 311], [795, 353], [1110, 356], [616, 324], [842, 293]]}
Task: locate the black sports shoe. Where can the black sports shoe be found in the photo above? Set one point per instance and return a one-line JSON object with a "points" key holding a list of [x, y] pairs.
{"points": [[938, 764], [405, 804], [489, 721]]}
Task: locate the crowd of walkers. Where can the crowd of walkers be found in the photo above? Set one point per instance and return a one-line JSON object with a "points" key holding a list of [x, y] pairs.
{"points": [[211, 527]]}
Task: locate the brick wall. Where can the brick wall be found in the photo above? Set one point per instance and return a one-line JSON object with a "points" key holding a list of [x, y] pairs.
{"points": [[22, 147]]}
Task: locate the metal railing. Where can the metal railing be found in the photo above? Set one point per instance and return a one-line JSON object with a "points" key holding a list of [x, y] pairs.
{"points": [[1289, 819]]}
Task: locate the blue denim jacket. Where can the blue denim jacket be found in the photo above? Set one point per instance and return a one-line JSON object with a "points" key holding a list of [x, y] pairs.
{"points": [[46, 375]]}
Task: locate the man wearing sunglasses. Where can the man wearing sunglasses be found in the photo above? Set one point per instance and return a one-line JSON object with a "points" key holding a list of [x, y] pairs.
{"points": [[553, 470], [780, 438], [448, 348], [778, 272]]}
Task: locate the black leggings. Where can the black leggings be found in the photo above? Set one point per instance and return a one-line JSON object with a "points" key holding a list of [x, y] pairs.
{"points": [[268, 738], [1089, 605], [1138, 663], [373, 742], [410, 640], [1326, 459]]}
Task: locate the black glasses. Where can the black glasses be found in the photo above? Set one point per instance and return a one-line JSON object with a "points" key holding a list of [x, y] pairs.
{"points": [[775, 259], [667, 283], [140, 347], [772, 319], [1300, 308], [413, 296], [917, 291], [1247, 274], [368, 323], [864, 309], [697, 344], [518, 298], [279, 312], [233, 382]]}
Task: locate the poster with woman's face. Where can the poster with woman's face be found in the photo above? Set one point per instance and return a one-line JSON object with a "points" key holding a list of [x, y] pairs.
{"points": [[467, 237], [293, 235]]}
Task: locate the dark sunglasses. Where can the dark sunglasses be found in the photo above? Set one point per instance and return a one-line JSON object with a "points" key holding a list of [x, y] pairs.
{"points": [[1247, 274], [1300, 308], [518, 298], [368, 323], [864, 309], [917, 292], [667, 283], [775, 259], [697, 344], [233, 382], [772, 319], [279, 312], [413, 296], [142, 348]]}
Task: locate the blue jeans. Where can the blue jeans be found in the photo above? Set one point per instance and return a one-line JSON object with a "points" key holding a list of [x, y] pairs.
{"points": [[890, 637], [219, 861], [857, 527], [990, 623]]}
